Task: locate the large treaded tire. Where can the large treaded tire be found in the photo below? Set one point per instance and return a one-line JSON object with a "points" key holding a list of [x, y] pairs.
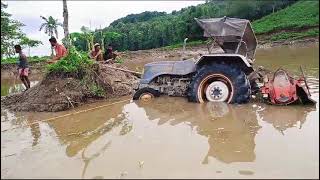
{"points": [[241, 85], [141, 91]]}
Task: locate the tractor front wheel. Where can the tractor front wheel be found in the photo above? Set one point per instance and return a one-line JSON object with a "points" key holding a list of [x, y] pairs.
{"points": [[145, 94]]}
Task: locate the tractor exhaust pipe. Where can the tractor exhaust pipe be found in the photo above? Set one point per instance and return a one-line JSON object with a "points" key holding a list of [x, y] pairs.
{"points": [[184, 48]]}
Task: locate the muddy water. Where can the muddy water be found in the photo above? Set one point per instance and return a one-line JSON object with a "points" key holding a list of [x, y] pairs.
{"points": [[171, 138]]}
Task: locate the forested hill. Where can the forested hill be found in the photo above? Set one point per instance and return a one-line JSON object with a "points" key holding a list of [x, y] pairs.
{"points": [[134, 18], [157, 29]]}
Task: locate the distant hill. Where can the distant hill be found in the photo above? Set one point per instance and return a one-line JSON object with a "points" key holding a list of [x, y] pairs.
{"points": [[141, 17], [149, 30]]}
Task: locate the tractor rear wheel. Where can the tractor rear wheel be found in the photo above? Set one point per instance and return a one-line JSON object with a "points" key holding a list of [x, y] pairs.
{"points": [[219, 83]]}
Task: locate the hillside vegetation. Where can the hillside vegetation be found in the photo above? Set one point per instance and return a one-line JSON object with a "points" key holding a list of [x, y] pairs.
{"points": [[152, 30], [301, 15]]}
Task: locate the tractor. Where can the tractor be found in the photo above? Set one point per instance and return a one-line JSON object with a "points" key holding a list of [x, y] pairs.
{"points": [[217, 77]]}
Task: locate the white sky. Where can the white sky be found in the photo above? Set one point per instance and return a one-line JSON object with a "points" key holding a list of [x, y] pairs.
{"points": [[81, 13]]}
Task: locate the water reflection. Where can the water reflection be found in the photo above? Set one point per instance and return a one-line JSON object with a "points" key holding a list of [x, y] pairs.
{"points": [[14, 86], [284, 117], [230, 129], [79, 131], [87, 160]]}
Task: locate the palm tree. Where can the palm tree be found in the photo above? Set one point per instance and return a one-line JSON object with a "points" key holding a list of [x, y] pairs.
{"points": [[65, 22], [50, 27]]}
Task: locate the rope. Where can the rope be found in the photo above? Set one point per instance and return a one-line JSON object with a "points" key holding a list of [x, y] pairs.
{"points": [[65, 115]]}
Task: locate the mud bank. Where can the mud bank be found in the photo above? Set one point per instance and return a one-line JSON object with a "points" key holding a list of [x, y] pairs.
{"points": [[58, 92], [298, 43]]}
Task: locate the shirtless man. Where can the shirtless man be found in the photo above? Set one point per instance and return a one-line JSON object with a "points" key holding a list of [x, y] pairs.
{"points": [[60, 50], [96, 54]]}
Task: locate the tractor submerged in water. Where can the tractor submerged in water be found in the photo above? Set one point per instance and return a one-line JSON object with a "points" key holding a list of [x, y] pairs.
{"points": [[217, 77]]}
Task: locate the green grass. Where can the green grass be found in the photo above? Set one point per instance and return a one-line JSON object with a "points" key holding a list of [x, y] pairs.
{"points": [[97, 90], [119, 60], [302, 14], [180, 45], [294, 35], [33, 59]]}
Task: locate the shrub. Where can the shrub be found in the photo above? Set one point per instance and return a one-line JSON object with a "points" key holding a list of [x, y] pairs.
{"points": [[74, 63]]}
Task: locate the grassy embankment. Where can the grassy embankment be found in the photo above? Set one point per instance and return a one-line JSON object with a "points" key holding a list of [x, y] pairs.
{"points": [[297, 21]]}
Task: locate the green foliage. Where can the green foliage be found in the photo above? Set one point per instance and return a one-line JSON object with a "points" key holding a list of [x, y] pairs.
{"points": [[74, 62], [25, 41], [295, 35], [134, 18], [149, 30], [96, 90], [10, 32], [50, 26], [299, 15], [119, 60], [180, 45], [14, 60]]}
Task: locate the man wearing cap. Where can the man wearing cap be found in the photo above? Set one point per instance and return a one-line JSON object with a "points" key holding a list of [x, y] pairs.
{"points": [[96, 54]]}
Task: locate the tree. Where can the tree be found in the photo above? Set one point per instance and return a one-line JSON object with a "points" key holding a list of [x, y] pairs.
{"points": [[88, 34], [50, 27], [25, 41], [65, 22], [10, 32]]}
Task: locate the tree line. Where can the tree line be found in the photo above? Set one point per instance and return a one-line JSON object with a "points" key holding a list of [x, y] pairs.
{"points": [[156, 29], [12, 34]]}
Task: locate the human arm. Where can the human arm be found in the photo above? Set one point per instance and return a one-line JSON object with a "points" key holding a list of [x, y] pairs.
{"points": [[90, 55], [98, 54]]}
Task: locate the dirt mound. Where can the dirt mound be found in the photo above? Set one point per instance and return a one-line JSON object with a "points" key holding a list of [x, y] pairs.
{"points": [[58, 92]]}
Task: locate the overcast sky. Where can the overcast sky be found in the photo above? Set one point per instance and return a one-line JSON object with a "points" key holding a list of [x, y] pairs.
{"points": [[81, 13]]}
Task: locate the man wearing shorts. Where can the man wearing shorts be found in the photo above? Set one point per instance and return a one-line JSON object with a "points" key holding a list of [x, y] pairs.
{"points": [[23, 68]]}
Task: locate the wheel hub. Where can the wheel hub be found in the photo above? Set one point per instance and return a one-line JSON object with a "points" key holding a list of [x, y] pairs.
{"points": [[217, 91], [146, 97]]}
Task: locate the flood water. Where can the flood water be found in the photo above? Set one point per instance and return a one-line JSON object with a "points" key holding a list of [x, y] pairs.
{"points": [[170, 137]]}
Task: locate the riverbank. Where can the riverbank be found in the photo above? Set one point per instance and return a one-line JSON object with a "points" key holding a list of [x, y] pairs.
{"points": [[62, 91]]}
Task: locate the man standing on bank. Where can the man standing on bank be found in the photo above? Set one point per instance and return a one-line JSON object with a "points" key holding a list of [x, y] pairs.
{"points": [[23, 68]]}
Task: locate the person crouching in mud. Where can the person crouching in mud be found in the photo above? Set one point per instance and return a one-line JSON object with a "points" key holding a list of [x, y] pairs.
{"points": [[60, 50], [96, 54], [109, 55], [23, 68]]}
